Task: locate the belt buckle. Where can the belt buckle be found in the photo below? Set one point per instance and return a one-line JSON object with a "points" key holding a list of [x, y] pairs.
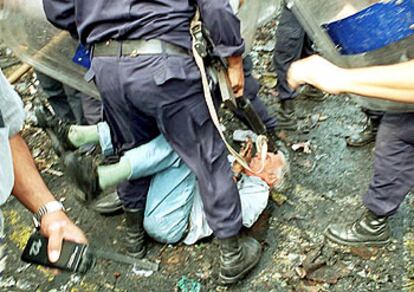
{"points": [[134, 53]]}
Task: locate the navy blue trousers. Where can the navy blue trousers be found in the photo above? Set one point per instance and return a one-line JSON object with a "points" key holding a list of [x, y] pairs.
{"points": [[292, 44], [146, 95], [251, 91], [70, 104], [394, 164]]}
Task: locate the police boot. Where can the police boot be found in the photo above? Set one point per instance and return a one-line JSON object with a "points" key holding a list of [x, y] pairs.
{"points": [[237, 257], [83, 172], [272, 139], [108, 204], [47, 120], [366, 136], [369, 230], [308, 91], [135, 240], [288, 107]]}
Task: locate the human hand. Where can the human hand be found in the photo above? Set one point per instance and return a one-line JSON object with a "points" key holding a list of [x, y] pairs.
{"points": [[317, 72], [236, 75], [56, 226]]}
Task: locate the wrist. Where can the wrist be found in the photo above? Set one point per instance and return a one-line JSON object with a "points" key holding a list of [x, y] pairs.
{"points": [[51, 207], [346, 80], [235, 61]]}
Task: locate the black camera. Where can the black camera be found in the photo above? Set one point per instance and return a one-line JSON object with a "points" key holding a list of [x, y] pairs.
{"points": [[74, 257]]}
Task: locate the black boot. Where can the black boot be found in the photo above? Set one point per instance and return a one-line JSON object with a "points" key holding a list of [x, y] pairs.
{"points": [[308, 91], [135, 240], [288, 107], [369, 230], [366, 136], [237, 257], [48, 120], [285, 122], [272, 139], [83, 172], [108, 204]]}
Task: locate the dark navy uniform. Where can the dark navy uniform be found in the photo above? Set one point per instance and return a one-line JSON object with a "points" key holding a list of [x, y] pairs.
{"points": [[70, 104], [147, 94], [292, 44], [394, 164], [251, 91]]}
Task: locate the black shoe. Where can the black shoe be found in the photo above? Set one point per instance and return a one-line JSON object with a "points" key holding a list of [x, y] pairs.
{"points": [[47, 120], [288, 107], [308, 91], [369, 230], [237, 257], [286, 123], [108, 204], [272, 138], [366, 136], [135, 240], [83, 171]]}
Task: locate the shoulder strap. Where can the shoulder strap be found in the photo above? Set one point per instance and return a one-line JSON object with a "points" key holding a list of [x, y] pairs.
{"points": [[261, 142]]}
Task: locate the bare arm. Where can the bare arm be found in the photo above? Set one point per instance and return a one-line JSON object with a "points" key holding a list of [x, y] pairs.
{"points": [[32, 192], [391, 82]]}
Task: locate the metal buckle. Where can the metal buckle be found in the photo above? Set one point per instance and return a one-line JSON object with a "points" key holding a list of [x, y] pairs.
{"points": [[134, 53]]}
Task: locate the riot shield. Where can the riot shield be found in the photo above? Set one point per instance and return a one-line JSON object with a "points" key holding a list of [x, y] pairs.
{"points": [[360, 33], [27, 32], [25, 29]]}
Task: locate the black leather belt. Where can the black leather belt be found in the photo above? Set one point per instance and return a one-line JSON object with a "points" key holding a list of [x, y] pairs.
{"points": [[133, 48]]}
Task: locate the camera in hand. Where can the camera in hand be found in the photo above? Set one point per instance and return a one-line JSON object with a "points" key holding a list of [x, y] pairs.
{"points": [[74, 257]]}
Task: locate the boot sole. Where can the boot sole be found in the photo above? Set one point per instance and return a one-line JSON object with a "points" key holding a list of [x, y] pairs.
{"points": [[223, 280], [108, 211], [334, 239], [138, 255], [359, 144]]}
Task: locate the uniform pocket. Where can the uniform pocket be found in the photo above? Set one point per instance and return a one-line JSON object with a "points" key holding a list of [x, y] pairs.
{"points": [[171, 69], [200, 113]]}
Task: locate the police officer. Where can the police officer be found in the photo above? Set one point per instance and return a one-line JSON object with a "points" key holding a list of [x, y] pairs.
{"points": [[394, 152], [146, 76], [292, 44]]}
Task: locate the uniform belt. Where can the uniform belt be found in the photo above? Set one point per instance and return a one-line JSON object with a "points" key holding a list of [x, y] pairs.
{"points": [[133, 48]]}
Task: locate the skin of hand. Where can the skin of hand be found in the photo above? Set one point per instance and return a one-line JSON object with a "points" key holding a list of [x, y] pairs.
{"points": [[56, 226], [236, 74], [30, 189], [389, 82], [317, 72]]}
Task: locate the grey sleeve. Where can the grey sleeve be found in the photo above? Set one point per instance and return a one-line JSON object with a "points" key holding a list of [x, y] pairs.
{"points": [[223, 25], [11, 107]]}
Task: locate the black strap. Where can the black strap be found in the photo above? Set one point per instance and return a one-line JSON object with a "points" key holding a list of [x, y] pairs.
{"points": [[1, 120]]}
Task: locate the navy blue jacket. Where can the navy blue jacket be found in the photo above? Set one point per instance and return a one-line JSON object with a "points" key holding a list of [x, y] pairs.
{"points": [[97, 21]]}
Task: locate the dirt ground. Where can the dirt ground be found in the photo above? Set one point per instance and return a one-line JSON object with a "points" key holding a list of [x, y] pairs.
{"points": [[326, 186]]}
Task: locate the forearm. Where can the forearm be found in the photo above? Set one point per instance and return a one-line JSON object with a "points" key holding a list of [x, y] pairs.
{"points": [[223, 25], [392, 82], [29, 187]]}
